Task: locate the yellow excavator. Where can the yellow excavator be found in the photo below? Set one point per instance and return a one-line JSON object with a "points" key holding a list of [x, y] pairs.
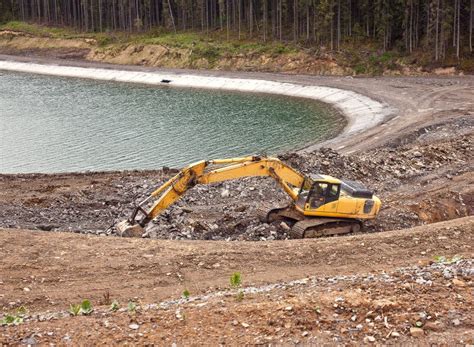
{"points": [[321, 205]]}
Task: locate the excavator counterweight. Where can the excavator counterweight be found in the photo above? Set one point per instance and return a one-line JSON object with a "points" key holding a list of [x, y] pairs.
{"points": [[320, 205]]}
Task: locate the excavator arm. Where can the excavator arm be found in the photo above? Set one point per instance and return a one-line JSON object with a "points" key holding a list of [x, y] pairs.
{"points": [[206, 172]]}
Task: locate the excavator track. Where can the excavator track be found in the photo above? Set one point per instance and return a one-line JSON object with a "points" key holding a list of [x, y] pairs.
{"points": [[319, 227]]}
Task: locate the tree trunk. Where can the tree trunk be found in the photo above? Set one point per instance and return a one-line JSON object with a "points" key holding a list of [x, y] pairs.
{"points": [[458, 29], [295, 20], [471, 15], [332, 24], [279, 20], [338, 23], [240, 16], [171, 16], [228, 18], [437, 31], [307, 22], [251, 17], [265, 19], [454, 21], [350, 17]]}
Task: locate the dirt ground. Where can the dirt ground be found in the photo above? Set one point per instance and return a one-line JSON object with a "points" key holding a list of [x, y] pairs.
{"points": [[407, 278], [47, 272]]}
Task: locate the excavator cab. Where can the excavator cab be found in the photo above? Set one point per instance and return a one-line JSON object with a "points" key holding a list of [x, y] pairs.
{"points": [[317, 191], [326, 196], [322, 193]]}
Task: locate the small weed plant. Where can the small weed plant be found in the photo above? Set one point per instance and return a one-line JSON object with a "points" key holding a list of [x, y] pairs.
{"points": [[74, 309], [84, 308], [10, 319], [14, 319], [114, 306], [236, 282], [445, 260], [132, 307]]}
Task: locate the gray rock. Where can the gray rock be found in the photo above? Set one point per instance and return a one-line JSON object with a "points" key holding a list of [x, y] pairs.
{"points": [[30, 341]]}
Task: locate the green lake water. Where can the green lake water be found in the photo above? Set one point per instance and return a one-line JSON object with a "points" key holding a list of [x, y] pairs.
{"points": [[51, 124]]}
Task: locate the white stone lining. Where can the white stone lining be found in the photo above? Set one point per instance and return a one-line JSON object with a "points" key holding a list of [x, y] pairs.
{"points": [[361, 111]]}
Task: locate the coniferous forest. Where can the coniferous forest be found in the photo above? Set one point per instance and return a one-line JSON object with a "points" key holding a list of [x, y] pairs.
{"points": [[439, 26]]}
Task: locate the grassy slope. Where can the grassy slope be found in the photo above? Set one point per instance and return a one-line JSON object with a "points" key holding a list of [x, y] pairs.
{"points": [[361, 57]]}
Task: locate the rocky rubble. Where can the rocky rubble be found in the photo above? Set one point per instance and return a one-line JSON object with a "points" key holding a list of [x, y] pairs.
{"points": [[385, 170]]}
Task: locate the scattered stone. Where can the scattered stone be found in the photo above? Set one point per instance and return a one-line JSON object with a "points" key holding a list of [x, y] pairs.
{"points": [[448, 274], [434, 326], [369, 339], [30, 341], [134, 326], [417, 332], [459, 283]]}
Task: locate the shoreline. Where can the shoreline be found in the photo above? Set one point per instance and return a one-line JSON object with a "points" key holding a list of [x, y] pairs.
{"points": [[360, 111]]}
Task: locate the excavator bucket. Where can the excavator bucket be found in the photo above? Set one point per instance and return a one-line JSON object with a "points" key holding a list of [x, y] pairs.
{"points": [[127, 229]]}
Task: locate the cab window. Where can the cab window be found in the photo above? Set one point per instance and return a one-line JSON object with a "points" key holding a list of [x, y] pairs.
{"points": [[321, 189], [318, 194], [333, 193]]}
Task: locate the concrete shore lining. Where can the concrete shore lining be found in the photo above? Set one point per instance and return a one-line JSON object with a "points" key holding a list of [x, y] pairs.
{"points": [[361, 111]]}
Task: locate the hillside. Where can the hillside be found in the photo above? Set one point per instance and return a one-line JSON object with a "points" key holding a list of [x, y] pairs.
{"points": [[195, 50]]}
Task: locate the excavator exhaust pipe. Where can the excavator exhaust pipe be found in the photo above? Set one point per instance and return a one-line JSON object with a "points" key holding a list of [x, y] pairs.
{"points": [[127, 229]]}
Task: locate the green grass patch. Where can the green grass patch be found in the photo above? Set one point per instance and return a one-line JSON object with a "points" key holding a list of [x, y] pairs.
{"points": [[39, 30]]}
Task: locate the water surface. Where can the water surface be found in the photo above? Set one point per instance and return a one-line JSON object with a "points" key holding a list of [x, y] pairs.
{"points": [[54, 124]]}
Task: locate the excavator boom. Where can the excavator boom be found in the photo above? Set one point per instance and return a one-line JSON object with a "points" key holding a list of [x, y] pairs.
{"points": [[206, 172]]}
